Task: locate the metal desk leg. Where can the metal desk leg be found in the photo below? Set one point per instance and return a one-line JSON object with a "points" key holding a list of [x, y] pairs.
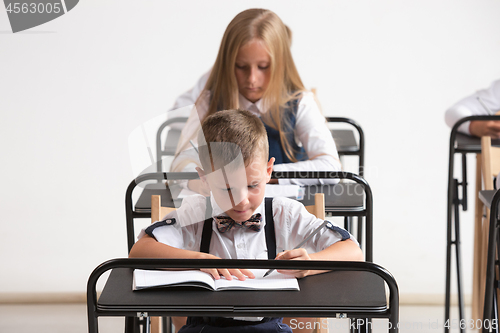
{"points": [[134, 325], [360, 230], [458, 259], [453, 223]]}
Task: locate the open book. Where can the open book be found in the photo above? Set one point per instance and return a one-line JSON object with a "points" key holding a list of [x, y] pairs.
{"points": [[195, 278]]}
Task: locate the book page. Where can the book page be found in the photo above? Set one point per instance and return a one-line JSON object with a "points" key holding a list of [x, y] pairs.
{"points": [[190, 278], [274, 281]]}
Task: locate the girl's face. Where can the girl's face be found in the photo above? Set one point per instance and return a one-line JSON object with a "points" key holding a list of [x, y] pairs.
{"points": [[253, 69]]}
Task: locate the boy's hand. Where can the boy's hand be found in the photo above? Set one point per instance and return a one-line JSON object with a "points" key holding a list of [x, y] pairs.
{"points": [[296, 254], [485, 128], [240, 274]]}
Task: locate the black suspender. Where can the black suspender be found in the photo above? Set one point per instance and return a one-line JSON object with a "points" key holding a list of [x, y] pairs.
{"points": [[206, 235], [269, 229]]}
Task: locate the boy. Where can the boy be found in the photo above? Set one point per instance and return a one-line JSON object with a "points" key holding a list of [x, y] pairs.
{"points": [[236, 168]]}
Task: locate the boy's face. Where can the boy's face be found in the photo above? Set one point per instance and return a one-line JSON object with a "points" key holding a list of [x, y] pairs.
{"points": [[239, 191]]}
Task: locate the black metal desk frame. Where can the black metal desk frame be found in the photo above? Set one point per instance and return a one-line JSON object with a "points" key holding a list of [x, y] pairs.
{"points": [[459, 144], [132, 213], [168, 150], [95, 310], [350, 149]]}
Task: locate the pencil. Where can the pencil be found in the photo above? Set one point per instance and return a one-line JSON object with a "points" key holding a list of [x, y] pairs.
{"points": [[302, 243]]}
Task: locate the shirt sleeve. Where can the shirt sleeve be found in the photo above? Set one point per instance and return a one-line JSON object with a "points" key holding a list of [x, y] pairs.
{"points": [[186, 158], [294, 223], [190, 96], [470, 106], [311, 130], [181, 228]]}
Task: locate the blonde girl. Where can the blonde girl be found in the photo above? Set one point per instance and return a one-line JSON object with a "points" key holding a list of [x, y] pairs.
{"points": [[255, 71]]}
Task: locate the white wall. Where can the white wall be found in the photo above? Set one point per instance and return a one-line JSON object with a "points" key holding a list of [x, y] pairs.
{"points": [[72, 90]]}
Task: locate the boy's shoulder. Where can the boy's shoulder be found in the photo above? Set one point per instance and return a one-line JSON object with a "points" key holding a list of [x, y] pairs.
{"points": [[192, 209], [285, 203]]}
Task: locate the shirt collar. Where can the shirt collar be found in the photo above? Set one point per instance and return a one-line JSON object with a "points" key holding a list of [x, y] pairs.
{"points": [[257, 108]]}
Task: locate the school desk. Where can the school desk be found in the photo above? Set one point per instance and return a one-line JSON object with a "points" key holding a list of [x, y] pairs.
{"points": [[350, 290]]}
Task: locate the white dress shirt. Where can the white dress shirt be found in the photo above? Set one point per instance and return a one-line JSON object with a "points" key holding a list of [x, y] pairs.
{"points": [[292, 223], [470, 106], [310, 131]]}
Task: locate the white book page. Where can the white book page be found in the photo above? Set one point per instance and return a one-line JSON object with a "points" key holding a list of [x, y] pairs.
{"points": [[149, 278], [274, 281]]}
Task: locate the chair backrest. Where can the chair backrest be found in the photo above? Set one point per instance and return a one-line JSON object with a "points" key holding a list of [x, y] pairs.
{"points": [[157, 211], [490, 162], [170, 145], [318, 209]]}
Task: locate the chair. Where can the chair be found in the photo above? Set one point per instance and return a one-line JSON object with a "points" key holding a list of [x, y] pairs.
{"points": [[318, 210], [170, 145], [158, 211], [490, 168], [490, 312]]}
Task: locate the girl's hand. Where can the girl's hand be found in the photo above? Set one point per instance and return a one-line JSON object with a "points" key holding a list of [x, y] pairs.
{"points": [[240, 274], [296, 254]]}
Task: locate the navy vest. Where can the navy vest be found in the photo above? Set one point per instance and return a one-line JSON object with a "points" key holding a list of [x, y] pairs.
{"points": [[276, 147]]}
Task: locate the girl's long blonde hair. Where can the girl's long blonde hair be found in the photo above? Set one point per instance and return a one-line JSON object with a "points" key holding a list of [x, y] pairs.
{"points": [[284, 83]]}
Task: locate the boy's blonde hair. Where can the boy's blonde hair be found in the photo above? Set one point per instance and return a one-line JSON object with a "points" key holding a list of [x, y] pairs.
{"points": [[231, 133], [284, 83]]}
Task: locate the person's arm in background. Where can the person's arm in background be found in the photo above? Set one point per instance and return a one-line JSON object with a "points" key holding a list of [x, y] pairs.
{"points": [[470, 106], [186, 157], [313, 133], [190, 96]]}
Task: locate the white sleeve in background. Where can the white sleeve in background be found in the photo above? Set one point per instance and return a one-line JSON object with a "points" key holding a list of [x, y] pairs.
{"points": [[470, 106], [187, 158], [190, 96], [311, 130]]}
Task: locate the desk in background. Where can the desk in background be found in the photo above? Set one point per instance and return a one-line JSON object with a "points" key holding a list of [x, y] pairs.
{"points": [[343, 199], [463, 145]]}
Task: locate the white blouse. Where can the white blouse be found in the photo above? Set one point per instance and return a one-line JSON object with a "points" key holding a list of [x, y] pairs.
{"points": [[310, 131], [470, 106]]}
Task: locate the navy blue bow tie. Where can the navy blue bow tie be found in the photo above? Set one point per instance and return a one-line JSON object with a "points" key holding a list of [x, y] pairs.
{"points": [[225, 223]]}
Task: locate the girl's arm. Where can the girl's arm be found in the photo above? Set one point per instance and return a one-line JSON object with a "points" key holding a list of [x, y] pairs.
{"points": [[148, 247], [190, 96], [317, 141]]}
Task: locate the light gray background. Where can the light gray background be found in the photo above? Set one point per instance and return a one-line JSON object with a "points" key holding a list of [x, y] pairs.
{"points": [[74, 89]]}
